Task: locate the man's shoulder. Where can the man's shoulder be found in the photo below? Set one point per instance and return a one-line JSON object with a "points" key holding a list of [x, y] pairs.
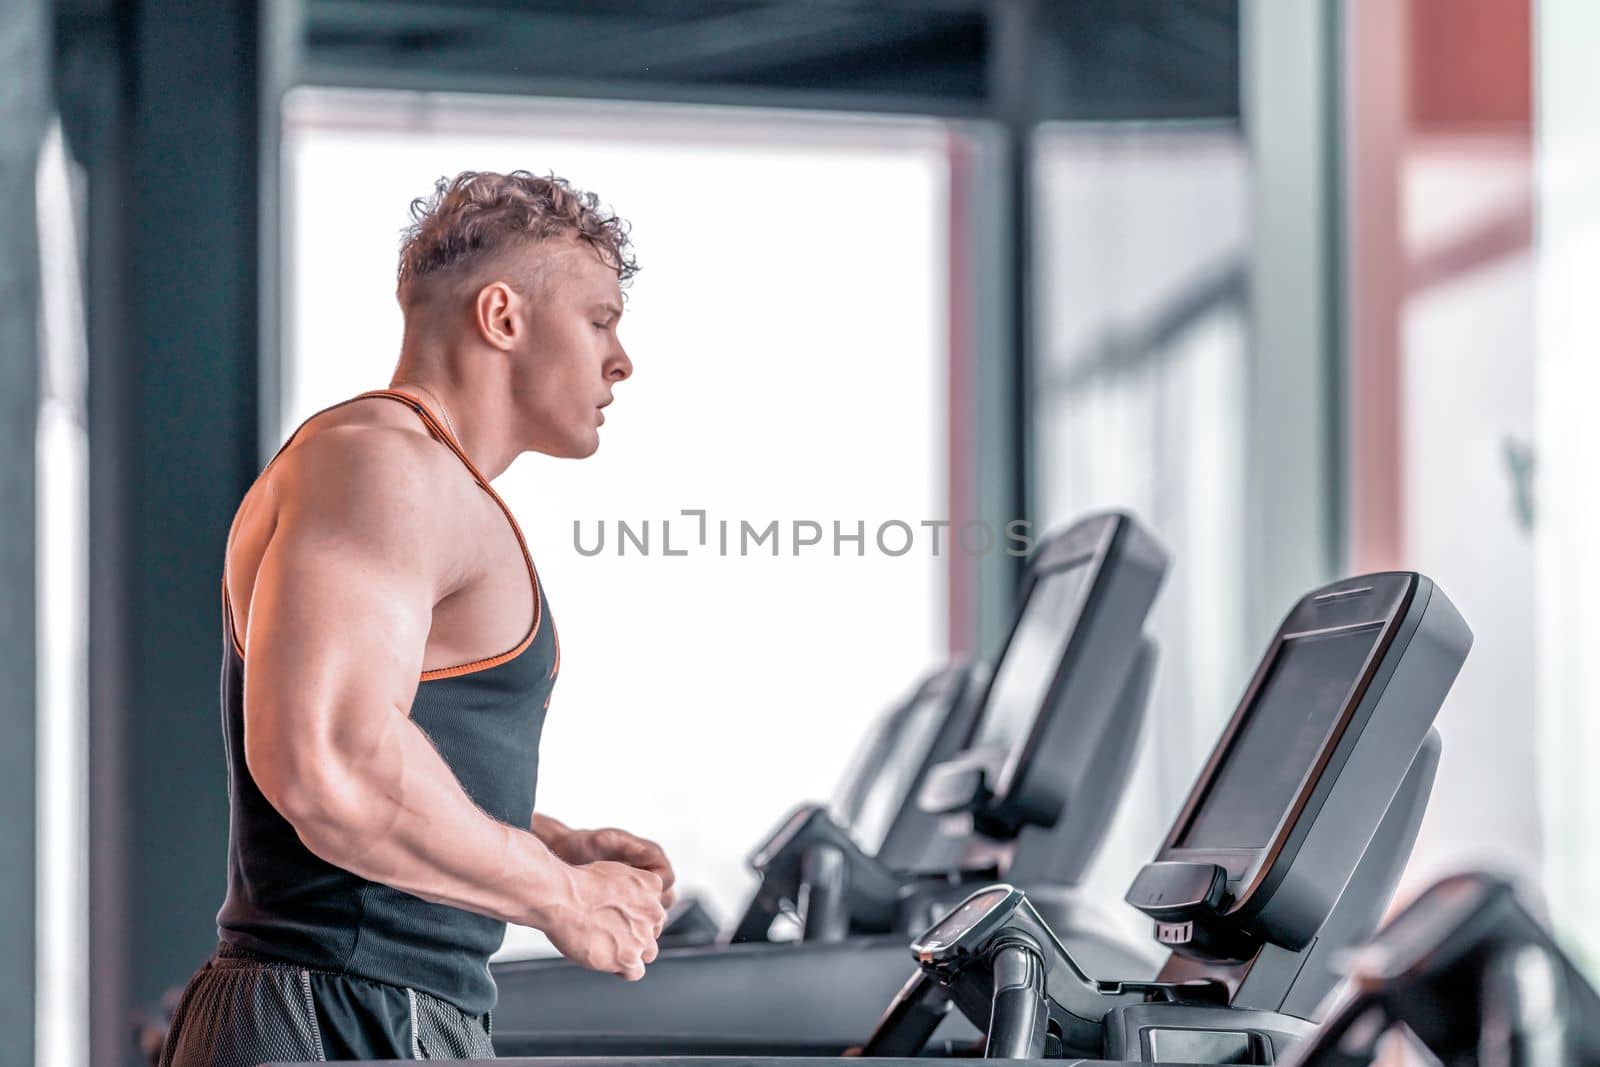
{"points": [[361, 465], [371, 442], [366, 489]]}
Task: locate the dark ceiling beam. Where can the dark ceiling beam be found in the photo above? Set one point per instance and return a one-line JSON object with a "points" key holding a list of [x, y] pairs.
{"points": [[381, 76], [1121, 59], [725, 45], [378, 13], [739, 43]]}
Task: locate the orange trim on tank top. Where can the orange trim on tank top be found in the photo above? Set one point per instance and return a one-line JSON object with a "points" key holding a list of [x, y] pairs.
{"points": [[227, 608], [437, 429]]}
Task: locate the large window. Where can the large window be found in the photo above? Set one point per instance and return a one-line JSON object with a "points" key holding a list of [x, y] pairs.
{"points": [[788, 336], [1472, 371], [1441, 381]]}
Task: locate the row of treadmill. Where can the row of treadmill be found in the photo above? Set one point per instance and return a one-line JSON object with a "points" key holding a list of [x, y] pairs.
{"points": [[931, 912]]}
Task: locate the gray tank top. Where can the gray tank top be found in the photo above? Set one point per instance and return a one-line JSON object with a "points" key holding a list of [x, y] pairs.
{"points": [[485, 719]]}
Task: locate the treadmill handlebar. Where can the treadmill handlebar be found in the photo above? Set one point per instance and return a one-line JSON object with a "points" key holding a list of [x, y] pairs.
{"points": [[959, 785], [811, 867], [973, 954], [1019, 1010]]}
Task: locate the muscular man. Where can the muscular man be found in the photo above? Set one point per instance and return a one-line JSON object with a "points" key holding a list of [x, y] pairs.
{"points": [[388, 661]]}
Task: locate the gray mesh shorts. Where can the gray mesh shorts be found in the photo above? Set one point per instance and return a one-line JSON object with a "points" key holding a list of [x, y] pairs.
{"points": [[241, 1010]]}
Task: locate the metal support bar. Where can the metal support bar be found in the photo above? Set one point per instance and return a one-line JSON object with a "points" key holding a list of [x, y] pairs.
{"points": [[1004, 440], [1290, 110]]}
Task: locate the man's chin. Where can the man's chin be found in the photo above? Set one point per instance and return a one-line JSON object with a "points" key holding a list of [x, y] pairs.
{"points": [[583, 449]]}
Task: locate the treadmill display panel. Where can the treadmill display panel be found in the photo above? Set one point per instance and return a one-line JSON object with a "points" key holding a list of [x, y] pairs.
{"points": [[786, 832], [892, 779], [1290, 719], [950, 929], [861, 771], [1028, 668]]}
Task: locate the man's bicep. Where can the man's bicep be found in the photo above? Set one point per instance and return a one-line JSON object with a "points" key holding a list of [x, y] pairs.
{"points": [[339, 618]]}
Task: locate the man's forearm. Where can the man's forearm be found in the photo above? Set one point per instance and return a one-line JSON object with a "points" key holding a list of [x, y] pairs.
{"points": [[395, 814]]}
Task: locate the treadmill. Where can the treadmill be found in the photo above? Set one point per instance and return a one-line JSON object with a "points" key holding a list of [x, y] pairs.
{"points": [[880, 783], [1058, 723], [1288, 850], [1473, 977], [877, 815], [1060, 716]]}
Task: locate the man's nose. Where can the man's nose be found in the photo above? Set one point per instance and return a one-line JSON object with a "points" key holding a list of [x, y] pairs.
{"points": [[621, 367]]}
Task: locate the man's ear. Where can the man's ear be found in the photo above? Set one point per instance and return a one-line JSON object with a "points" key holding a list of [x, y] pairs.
{"points": [[498, 315]]}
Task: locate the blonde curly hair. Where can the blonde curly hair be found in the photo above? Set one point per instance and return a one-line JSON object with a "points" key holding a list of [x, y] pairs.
{"points": [[477, 215]]}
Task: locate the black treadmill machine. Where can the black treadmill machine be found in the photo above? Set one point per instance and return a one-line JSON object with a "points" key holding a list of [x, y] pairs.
{"points": [[1288, 849], [875, 801], [1473, 977], [1057, 727]]}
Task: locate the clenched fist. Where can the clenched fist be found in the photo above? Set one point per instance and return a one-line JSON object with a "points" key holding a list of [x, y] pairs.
{"points": [[587, 846], [612, 920]]}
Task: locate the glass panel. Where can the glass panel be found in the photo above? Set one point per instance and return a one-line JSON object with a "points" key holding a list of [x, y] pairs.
{"points": [[1445, 431]]}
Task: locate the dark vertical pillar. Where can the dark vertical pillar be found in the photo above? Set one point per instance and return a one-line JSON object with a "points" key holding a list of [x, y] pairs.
{"points": [[1005, 482], [24, 105], [1014, 89], [166, 121], [191, 269]]}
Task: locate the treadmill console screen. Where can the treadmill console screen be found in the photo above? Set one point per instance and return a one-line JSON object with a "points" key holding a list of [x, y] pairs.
{"points": [[1027, 670], [892, 781], [950, 929], [1290, 719], [779, 839]]}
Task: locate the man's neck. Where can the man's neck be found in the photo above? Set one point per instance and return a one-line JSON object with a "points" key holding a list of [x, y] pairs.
{"points": [[472, 412]]}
